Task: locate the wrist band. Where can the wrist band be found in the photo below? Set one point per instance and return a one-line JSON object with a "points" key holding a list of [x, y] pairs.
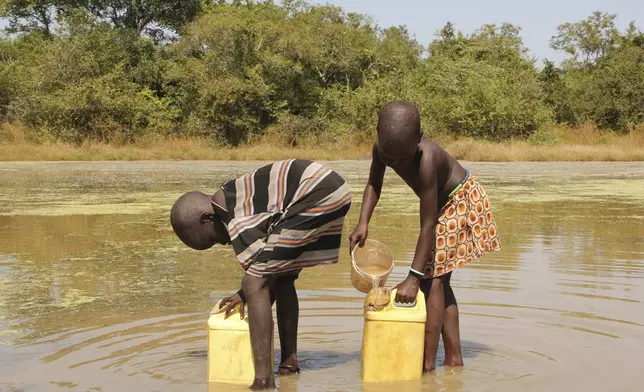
{"points": [[417, 274]]}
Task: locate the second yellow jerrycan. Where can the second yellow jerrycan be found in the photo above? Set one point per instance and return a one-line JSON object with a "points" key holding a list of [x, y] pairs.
{"points": [[393, 341], [230, 356]]}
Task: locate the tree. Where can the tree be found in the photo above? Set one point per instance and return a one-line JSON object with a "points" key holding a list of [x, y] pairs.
{"points": [[588, 40], [447, 42], [634, 36], [139, 15], [29, 15], [603, 80], [488, 43], [142, 16], [556, 95]]}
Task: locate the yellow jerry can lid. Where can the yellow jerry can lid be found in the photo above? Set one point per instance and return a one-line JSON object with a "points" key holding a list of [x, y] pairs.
{"points": [[232, 323], [411, 313]]}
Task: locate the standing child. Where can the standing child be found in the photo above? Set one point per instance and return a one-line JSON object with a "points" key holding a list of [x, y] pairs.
{"points": [[279, 219], [456, 221]]}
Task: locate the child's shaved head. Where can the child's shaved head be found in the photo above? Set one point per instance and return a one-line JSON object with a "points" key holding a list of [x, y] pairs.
{"points": [[187, 223], [398, 129]]}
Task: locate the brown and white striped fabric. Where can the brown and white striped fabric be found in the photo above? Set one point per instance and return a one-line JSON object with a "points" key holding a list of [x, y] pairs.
{"points": [[287, 216]]}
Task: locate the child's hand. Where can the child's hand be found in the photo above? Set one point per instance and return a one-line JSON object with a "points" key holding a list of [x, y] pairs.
{"points": [[232, 301], [407, 291], [358, 236]]}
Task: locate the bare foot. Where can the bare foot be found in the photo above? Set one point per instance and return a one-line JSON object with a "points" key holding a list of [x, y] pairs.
{"points": [[429, 371], [258, 384], [453, 362]]}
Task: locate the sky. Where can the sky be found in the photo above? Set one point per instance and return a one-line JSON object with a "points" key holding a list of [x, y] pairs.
{"points": [[537, 19]]}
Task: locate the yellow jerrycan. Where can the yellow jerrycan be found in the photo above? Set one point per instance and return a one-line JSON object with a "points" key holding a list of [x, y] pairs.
{"points": [[230, 357], [393, 341]]}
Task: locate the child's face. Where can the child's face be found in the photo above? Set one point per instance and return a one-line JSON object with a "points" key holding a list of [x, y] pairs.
{"points": [[214, 229], [196, 223], [205, 233], [221, 235], [397, 154]]}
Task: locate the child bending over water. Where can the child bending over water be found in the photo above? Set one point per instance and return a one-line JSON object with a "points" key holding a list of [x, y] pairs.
{"points": [[279, 219], [456, 221]]}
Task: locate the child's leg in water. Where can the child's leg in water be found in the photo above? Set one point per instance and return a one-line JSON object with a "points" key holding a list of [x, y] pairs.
{"points": [[433, 290], [439, 296], [451, 331], [288, 312], [257, 292]]}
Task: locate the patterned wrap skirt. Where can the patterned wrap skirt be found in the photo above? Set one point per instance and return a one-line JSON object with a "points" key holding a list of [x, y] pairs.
{"points": [[465, 231]]}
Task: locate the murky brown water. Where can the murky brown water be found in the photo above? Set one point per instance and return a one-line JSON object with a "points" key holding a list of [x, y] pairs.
{"points": [[96, 294]]}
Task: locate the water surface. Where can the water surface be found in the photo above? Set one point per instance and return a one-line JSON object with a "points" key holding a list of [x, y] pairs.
{"points": [[96, 294]]}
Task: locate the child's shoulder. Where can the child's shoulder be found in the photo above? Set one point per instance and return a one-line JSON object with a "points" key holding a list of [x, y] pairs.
{"points": [[434, 156], [432, 148]]}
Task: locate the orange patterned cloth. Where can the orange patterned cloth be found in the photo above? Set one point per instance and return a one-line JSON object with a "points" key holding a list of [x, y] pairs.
{"points": [[465, 230]]}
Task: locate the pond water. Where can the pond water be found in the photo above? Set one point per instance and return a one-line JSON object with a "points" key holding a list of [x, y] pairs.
{"points": [[97, 294]]}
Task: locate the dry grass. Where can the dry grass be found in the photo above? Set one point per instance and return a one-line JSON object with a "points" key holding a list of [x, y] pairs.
{"points": [[557, 144], [167, 150], [15, 145], [523, 152], [584, 143]]}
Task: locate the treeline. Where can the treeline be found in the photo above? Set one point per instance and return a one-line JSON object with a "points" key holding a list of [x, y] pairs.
{"points": [[116, 71]]}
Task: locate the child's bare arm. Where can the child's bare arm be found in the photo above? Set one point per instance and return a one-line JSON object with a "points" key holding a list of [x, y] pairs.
{"points": [[373, 189], [370, 198], [428, 192], [428, 218]]}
